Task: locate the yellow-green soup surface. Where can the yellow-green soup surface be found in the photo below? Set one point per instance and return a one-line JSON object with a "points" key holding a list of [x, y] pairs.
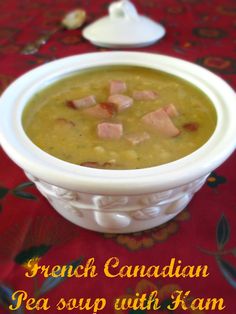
{"points": [[71, 134]]}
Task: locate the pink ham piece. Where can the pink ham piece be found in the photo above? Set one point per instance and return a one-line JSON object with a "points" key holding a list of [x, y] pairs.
{"points": [[85, 102], [102, 110], [161, 122], [109, 130], [122, 102], [117, 87], [171, 110], [145, 95], [137, 138]]}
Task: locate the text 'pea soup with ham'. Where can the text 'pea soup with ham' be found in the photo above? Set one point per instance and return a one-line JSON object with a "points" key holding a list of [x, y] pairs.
{"points": [[120, 117]]}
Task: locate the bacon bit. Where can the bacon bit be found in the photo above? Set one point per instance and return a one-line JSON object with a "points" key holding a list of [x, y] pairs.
{"points": [[117, 87], [63, 121], [145, 95], [171, 110], [85, 102], [121, 102], [109, 107], [102, 110], [136, 138], [70, 104], [191, 126], [90, 164], [94, 164]]}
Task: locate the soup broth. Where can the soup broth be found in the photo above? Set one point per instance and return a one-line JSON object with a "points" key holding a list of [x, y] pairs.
{"points": [[119, 117]]}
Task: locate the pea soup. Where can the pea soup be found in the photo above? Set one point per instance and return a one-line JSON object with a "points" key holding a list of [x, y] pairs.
{"points": [[119, 117]]}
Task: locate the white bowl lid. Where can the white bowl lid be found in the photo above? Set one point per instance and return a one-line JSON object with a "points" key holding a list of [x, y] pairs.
{"points": [[123, 28]]}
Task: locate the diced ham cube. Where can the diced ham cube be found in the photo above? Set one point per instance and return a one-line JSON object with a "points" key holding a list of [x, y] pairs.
{"points": [[122, 102], [145, 95], [136, 138], [171, 110], [102, 110], [109, 130], [85, 102], [117, 87], [161, 122]]}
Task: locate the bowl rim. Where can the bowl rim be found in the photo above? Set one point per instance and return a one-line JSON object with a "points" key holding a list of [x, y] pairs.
{"points": [[135, 181]]}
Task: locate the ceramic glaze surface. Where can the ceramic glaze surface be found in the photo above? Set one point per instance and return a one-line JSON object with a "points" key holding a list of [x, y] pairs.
{"points": [[123, 213]]}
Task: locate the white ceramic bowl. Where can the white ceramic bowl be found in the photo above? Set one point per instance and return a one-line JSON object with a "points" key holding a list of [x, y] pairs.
{"points": [[117, 200]]}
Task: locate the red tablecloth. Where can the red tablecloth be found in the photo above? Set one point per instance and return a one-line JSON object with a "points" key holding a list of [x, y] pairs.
{"points": [[203, 234]]}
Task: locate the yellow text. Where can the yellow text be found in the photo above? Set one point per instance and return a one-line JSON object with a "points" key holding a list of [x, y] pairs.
{"points": [[87, 270], [142, 303], [82, 304], [182, 300], [113, 269], [21, 297]]}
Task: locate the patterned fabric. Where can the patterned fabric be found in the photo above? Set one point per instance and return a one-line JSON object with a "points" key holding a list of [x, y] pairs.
{"points": [[199, 31]]}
